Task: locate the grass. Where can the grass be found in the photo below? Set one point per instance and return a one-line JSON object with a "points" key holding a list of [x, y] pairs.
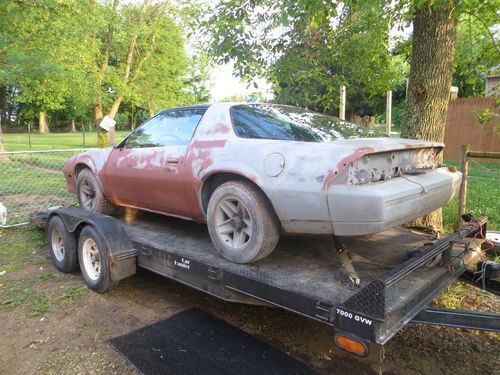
{"points": [[18, 248], [483, 195], [53, 141], [23, 247]]}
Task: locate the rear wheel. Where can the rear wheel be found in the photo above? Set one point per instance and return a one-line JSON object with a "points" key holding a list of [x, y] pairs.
{"points": [[94, 262], [241, 222], [62, 246], [90, 195]]}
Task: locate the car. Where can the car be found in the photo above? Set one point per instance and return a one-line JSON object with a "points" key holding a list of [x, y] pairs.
{"points": [[252, 172]]}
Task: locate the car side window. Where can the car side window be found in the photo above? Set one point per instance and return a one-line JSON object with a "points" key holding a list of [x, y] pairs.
{"points": [[171, 128]]}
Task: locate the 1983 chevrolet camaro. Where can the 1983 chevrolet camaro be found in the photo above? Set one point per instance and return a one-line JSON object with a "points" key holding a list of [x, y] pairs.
{"points": [[253, 171]]}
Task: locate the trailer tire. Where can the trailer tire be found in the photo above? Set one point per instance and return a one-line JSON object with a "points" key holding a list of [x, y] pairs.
{"points": [[94, 262], [62, 246], [241, 222], [90, 194]]}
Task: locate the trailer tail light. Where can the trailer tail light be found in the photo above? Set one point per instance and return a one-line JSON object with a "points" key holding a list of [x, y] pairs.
{"points": [[352, 345]]}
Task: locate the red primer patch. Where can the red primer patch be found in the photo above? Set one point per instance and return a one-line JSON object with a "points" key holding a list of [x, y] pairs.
{"points": [[343, 164], [218, 128]]}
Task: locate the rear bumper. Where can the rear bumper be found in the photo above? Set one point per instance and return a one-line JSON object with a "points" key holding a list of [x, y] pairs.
{"points": [[364, 209]]}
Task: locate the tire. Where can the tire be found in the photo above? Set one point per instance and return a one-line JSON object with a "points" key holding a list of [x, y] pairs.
{"points": [[252, 232], [94, 262], [62, 246], [90, 195]]}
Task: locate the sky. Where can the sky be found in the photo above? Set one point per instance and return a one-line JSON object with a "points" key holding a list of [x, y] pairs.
{"points": [[224, 84]]}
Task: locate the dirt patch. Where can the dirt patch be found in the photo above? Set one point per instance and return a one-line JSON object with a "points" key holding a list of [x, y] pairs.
{"points": [[62, 327]]}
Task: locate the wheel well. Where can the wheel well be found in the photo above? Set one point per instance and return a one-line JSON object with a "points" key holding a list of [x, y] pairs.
{"points": [[217, 179], [79, 167]]}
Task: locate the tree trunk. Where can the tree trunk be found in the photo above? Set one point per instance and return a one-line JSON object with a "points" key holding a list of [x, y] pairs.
{"points": [[43, 123], [128, 65], [116, 105], [433, 49], [72, 126], [102, 139]]}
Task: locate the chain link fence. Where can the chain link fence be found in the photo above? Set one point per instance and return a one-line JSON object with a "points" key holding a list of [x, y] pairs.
{"points": [[32, 181]]}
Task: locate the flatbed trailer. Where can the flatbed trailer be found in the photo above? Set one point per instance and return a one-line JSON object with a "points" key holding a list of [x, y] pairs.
{"points": [[400, 271]]}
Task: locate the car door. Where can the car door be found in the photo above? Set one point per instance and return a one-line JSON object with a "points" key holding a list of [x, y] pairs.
{"points": [[148, 169]]}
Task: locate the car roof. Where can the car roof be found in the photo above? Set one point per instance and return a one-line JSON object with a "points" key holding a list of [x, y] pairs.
{"points": [[194, 106]]}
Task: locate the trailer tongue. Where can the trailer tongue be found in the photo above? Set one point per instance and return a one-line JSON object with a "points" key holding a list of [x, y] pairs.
{"points": [[303, 275]]}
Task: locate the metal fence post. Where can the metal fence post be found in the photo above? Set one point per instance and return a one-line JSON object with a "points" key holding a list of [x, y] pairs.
{"points": [[83, 135], [464, 167]]}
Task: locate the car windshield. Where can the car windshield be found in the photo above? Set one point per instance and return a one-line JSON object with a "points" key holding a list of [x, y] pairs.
{"points": [[281, 122]]}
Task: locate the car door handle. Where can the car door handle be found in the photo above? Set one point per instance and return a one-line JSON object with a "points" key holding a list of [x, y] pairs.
{"points": [[173, 161]]}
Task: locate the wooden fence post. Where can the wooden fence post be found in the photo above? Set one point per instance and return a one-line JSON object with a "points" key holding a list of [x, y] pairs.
{"points": [[464, 167]]}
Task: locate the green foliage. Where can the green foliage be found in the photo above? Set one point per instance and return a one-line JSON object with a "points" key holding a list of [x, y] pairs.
{"points": [[45, 47], [485, 117], [308, 49], [59, 56], [477, 48]]}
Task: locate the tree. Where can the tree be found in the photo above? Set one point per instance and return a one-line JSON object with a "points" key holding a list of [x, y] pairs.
{"points": [[141, 59], [44, 45], [477, 48], [308, 49], [433, 46]]}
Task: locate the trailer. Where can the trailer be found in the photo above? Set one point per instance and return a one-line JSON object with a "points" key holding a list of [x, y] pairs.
{"points": [[400, 270]]}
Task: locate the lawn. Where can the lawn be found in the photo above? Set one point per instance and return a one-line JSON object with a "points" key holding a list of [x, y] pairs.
{"points": [[483, 194], [40, 174], [54, 141]]}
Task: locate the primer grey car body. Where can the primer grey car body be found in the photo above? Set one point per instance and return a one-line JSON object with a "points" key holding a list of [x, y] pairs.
{"points": [[347, 187]]}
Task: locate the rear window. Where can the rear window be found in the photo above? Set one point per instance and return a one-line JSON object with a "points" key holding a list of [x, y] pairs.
{"points": [[279, 122]]}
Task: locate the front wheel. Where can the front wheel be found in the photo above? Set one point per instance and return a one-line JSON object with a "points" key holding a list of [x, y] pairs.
{"points": [[242, 223], [90, 195]]}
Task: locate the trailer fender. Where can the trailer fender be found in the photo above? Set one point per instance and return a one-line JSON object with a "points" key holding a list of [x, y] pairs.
{"points": [[121, 253]]}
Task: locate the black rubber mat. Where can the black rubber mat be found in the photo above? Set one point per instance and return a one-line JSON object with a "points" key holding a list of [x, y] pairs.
{"points": [[195, 342]]}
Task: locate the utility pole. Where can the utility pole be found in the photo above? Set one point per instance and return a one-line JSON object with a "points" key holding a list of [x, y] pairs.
{"points": [[342, 103], [388, 113]]}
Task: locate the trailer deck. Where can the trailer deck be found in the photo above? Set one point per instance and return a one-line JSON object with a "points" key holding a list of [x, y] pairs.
{"points": [[303, 274]]}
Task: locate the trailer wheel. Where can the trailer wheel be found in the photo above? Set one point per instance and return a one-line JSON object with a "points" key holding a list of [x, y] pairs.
{"points": [[62, 246], [90, 195], [241, 222], [94, 262]]}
